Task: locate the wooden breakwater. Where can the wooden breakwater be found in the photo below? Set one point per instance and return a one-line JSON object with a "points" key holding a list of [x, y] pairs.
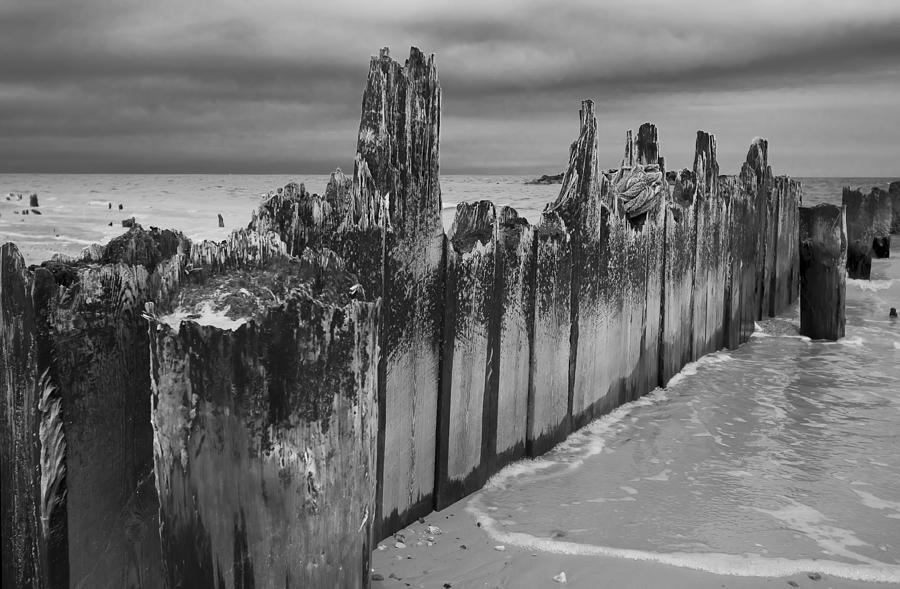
{"points": [[341, 367]]}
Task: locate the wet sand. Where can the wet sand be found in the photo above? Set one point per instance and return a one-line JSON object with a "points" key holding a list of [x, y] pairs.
{"points": [[446, 563]]}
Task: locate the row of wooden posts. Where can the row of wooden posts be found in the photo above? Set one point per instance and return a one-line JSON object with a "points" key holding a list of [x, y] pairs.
{"points": [[255, 412]]}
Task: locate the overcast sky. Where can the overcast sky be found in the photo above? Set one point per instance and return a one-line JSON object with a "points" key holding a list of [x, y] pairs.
{"points": [[260, 86]]}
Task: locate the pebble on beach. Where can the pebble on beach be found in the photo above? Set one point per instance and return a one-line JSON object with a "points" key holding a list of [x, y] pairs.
{"points": [[560, 578], [500, 548]]}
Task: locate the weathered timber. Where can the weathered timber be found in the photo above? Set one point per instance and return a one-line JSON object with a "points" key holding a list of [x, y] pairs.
{"points": [[349, 220], [823, 271], [399, 142], [34, 543], [468, 392], [264, 375], [741, 287], [580, 205], [611, 254], [677, 307], [894, 192], [489, 302], [785, 278], [92, 368], [869, 218], [710, 264], [549, 402], [758, 160], [514, 317]]}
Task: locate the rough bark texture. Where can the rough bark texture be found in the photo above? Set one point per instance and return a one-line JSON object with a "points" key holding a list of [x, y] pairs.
{"points": [[823, 271], [399, 142]]}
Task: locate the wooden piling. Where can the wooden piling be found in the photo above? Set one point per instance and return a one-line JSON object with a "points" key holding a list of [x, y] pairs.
{"points": [[894, 192], [90, 365], [399, 142], [869, 219], [468, 400], [265, 421], [549, 404], [823, 271]]}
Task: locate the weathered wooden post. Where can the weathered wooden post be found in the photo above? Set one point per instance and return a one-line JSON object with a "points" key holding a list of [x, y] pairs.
{"points": [[676, 336], [469, 393], [710, 264], [785, 279], [894, 192], [514, 320], [265, 420], [88, 373], [758, 160], [868, 229], [549, 401], [580, 205], [399, 135], [823, 271]]}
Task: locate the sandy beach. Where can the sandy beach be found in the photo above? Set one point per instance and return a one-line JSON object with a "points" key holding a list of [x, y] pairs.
{"points": [[463, 555]]}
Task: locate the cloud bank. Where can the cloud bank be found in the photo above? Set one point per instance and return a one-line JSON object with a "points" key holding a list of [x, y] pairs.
{"points": [[275, 87]]}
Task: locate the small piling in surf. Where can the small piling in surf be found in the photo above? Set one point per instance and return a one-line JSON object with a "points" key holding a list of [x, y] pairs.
{"points": [[868, 229], [823, 271]]}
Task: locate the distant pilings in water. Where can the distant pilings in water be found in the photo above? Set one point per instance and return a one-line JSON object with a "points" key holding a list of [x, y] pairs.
{"points": [[869, 220], [341, 367], [823, 271]]}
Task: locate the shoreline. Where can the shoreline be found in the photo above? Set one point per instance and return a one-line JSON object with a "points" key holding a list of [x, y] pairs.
{"points": [[480, 564]]}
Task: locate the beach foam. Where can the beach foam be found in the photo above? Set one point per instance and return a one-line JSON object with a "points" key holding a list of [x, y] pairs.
{"points": [[743, 565]]}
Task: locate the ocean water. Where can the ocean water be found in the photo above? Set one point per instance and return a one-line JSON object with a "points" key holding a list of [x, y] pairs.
{"points": [[779, 457], [75, 208]]}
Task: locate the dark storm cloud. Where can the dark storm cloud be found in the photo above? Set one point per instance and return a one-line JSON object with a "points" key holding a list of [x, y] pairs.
{"points": [[267, 86]]}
